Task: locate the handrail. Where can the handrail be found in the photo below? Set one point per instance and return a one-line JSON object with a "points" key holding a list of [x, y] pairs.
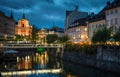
{"points": [[30, 45]]}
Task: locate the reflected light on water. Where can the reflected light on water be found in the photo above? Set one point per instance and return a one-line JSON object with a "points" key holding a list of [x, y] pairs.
{"points": [[26, 62], [70, 75]]}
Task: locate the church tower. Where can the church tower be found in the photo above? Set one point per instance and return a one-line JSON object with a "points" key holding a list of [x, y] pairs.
{"points": [[23, 28], [23, 17]]}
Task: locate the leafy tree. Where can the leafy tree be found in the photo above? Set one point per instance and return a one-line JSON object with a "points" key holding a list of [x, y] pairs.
{"points": [[64, 39], [117, 36], [19, 37], [51, 38], [101, 35], [34, 33]]}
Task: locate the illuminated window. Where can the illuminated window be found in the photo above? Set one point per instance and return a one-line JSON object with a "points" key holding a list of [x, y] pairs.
{"points": [[85, 29], [116, 11], [115, 20]]}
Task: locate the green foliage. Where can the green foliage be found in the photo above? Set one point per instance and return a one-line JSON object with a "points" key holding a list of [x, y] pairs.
{"points": [[19, 38], [117, 36], [34, 33], [64, 39], [101, 35], [51, 38], [86, 49]]}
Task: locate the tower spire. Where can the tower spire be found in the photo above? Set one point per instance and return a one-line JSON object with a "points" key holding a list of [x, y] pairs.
{"points": [[23, 17], [11, 15], [76, 7]]}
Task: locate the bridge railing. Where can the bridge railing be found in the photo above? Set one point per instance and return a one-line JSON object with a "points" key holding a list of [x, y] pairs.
{"points": [[32, 45]]}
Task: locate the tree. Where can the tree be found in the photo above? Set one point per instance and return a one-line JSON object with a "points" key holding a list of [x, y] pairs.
{"points": [[34, 33], [51, 38], [101, 35], [64, 39], [116, 37], [19, 38]]}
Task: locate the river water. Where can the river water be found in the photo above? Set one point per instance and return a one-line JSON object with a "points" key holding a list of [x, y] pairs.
{"points": [[45, 61]]}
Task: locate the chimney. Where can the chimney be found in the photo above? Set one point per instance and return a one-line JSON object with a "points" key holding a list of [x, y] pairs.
{"points": [[76, 8], [108, 4]]}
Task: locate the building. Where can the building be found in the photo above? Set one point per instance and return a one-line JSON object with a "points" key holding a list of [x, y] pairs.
{"points": [[72, 16], [108, 17], [58, 31], [78, 31], [42, 33], [113, 15], [23, 28], [42, 36], [96, 22], [7, 27]]}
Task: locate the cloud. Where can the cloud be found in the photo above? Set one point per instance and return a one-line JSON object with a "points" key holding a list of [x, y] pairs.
{"points": [[47, 12]]}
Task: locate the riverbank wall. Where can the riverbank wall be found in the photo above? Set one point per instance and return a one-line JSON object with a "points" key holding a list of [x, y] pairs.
{"points": [[105, 58]]}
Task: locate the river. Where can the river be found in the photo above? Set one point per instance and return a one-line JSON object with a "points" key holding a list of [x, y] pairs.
{"points": [[45, 61]]}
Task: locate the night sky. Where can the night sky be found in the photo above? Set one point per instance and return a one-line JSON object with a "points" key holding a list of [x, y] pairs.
{"points": [[45, 13]]}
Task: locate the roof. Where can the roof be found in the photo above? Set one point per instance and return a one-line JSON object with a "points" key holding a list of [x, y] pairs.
{"points": [[68, 12], [114, 4], [99, 16], [81, 22]]}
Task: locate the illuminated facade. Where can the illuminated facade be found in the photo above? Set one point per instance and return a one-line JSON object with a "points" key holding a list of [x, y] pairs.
{"points": [[42, 36], [23, 28], [107, 17], [78, 31], [42, 33], [95, 23], [72, 16]]}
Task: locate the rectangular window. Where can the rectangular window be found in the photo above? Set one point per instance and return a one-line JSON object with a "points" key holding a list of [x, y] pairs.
{"points": [[111, 12], [115, 20], [111, 22], [116, 11], [107, 13]]}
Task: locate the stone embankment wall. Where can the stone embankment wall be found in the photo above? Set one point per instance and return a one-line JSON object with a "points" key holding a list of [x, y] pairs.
{"points": [[105, 58]]}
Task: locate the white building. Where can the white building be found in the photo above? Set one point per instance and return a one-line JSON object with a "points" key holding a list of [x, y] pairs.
{"points": [[113, 15], [95, 23], [72, 16], [78, 31]]}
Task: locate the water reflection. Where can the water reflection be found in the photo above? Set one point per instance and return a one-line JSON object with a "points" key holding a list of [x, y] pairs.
{"points": [[37, 61], [41, 60], [24, 63], [47, 61], [77, 70]]}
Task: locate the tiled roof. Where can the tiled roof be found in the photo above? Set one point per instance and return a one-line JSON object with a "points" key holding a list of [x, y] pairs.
{"points": [[114, 4], [68, 12], [80, 22]]}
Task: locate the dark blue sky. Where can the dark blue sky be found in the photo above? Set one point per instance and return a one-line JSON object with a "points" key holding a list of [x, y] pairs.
{"points": [[45, 13]]}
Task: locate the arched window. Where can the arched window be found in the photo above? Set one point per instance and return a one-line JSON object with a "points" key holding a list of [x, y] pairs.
{"points": [[23, 25]]}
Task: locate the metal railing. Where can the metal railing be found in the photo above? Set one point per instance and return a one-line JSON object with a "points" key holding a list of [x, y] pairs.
{"points": [[31, 45]]}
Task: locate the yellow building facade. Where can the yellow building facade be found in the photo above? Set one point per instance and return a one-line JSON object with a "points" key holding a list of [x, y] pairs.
{"points": [[94, 27], [23, 28]]}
